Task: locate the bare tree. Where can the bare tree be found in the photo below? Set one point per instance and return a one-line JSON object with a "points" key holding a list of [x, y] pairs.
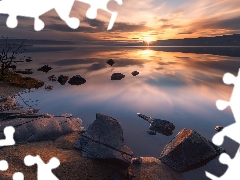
{"points": [[9, 55]]}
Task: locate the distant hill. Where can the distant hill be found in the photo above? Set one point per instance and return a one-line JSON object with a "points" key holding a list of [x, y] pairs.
{"points": [[225, 40]]}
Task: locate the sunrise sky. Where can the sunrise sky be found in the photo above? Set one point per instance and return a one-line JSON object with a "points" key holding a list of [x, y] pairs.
{"points": [[138, 20]]}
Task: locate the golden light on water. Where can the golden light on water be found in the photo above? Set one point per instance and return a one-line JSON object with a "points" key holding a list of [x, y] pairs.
{"points": [[147, 52]]}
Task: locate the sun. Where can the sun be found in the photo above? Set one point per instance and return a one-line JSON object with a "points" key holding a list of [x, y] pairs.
{"points": [[148, 40]]}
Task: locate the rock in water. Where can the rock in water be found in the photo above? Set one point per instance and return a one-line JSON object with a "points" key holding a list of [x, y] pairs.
{"points": [[189, 150], [77, 80], [40, 129], [117, 76], [110, 62], [162, 126], [62, 79], [158, 125], [44, 68], [135, 73], [103, 139]]}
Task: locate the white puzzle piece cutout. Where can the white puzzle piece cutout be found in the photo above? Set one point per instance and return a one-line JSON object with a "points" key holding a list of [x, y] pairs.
{"points": [[8, 132], [9, 141], [36, 8], [232, 131], [18, 176], [3, 165], [44, 170]]}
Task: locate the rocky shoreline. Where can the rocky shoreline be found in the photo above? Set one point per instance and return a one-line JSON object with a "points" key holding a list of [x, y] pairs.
{"points": [[99, 152], [74, 163]]}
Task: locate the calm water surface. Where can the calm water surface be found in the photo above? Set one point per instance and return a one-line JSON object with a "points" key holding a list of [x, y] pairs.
{"points": [[179, 87]]}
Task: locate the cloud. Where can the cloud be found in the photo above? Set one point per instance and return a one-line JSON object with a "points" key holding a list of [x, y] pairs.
{"points": [[215, 26], [95, 23], [186, 32], [127, 27], [164, 20]]}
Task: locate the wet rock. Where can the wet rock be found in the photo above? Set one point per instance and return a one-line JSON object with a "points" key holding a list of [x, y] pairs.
{"points": [[40, 129], [137, 160], [44, 68], [135, 73], [77, 80], [103, 139], [218, 128], [162, 126], [151, 132], [110, 62], [52, 78], [189, 150], [62, 79], [117, 76], [158, 125]]}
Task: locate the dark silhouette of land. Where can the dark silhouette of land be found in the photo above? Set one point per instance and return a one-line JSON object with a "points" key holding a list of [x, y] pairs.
{"points": [[225, 40]]}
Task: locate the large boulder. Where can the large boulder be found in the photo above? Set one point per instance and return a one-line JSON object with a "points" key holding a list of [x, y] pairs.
{"points": [[103, 139], [41, 129], [189, 150]]}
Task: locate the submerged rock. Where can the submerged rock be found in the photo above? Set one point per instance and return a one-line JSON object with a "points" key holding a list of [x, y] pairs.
{"points": [[62, 79], [218, 128], [117, 76], [77, 80], [158, 125], [40, 129], [103, 139], [135, 73], [44, 68], [110, 62], [189, 150]]}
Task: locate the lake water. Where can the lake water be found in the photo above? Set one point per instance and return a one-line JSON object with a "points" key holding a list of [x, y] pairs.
{"points": [[180, 85]]}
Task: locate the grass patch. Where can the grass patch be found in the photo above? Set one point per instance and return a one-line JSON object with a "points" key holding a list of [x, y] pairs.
{"points": [[20, 81]]}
